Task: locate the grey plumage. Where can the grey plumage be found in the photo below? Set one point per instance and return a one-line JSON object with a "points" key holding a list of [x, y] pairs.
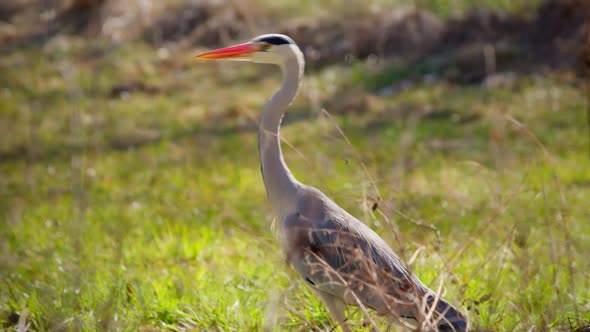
{"points": [[341, 259]]}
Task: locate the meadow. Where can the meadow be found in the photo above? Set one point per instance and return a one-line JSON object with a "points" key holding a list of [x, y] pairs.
{"points": [[131, 194]]}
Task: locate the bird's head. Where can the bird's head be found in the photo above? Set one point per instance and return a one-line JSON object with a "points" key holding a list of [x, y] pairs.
{"points": [[272, 48]]}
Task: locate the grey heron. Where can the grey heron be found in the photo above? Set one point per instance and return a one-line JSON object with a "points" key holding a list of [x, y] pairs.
{"points": [[340, 258]]}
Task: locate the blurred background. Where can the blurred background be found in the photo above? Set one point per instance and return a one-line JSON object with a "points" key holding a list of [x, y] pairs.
{"points": [[130, 193]]}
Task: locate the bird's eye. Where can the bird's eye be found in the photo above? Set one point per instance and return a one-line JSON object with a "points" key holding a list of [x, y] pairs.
{"points": [[266, 45]]}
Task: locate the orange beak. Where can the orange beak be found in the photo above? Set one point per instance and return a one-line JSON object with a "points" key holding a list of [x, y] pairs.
{"points": [[230, 52]]}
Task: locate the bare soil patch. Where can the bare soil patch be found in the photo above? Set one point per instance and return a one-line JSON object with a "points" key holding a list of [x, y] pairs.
{"points": [[553, 37]]}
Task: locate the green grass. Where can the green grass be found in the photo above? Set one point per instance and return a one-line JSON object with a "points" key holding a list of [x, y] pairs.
{"points": [[148, 212]]}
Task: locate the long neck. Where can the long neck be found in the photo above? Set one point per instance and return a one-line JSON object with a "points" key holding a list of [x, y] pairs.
{"points": [[278, 180]]}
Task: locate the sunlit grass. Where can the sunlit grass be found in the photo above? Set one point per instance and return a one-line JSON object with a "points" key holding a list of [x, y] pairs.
{"points": [[147, 211]]}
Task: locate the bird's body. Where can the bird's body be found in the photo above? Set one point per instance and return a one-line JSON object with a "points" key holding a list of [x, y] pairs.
{"points": [[340, 257]]}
